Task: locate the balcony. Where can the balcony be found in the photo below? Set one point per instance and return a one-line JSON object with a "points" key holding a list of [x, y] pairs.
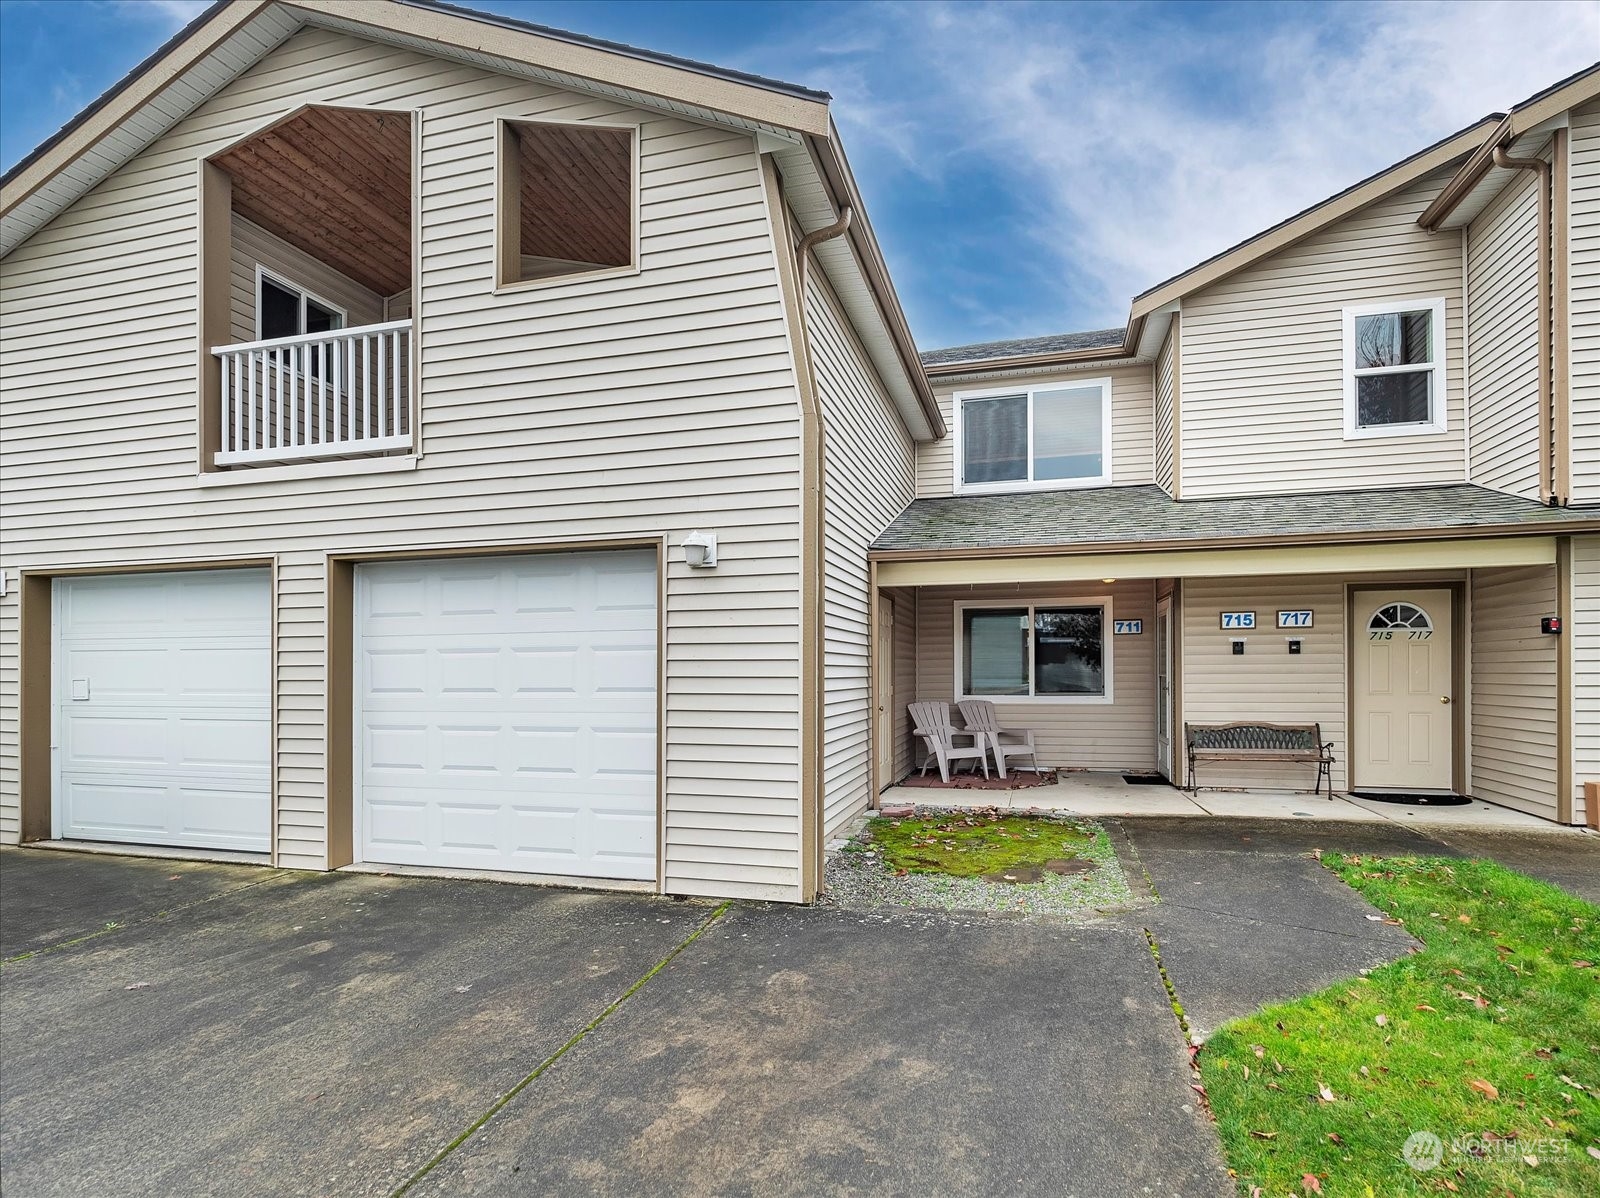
{"points": [[318, 396]]}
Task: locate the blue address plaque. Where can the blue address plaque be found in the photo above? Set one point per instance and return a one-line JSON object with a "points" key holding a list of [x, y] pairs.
{"points": [[1296, 619], [1127, 627], [1235, 621]]}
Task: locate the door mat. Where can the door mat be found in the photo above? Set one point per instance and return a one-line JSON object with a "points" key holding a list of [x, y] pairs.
{"points": [[1413, 800], [1145, 780], [1016, 780]]}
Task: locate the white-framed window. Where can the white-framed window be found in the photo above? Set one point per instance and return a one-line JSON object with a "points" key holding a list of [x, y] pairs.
{"points": [[286, 309], [1055, 652], [1034, 438], [1394, 372]]}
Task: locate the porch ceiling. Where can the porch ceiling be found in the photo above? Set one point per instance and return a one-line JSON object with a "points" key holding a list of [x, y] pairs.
{"points": [[335, 183], [1147, 518]]}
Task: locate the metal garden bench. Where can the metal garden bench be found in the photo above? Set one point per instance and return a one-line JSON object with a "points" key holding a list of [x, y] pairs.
{"points": [[1260, 742]]}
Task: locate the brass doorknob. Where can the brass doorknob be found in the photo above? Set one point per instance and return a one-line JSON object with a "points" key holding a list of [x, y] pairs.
{"points": [[1444, 698]]}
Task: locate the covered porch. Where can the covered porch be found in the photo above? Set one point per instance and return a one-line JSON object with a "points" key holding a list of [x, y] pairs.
{"points": [[1423, 655]]}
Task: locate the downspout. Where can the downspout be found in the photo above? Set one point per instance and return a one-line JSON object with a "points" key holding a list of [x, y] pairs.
{"points": [[1547, 489], [813, 449], [814, 238]]}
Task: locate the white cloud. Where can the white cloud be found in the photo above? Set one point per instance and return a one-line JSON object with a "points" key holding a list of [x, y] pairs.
{"points": [[1145, 139], [175, 14]]}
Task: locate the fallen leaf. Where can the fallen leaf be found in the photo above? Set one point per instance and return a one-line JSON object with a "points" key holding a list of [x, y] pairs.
{"points": [[1381, 1020], [1463, 919], [1264, 1135], [1531, 1161], [1422, 1006], [1336, 1138], [1311, 1184], [1583, 965], [1485, 1088], [1259, 1049], [1324, 1093], [1593, 1151]]}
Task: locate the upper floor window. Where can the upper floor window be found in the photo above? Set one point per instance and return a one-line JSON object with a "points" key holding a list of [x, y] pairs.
{"points": [[1394, 379], [1038, 437], [567, 203]]}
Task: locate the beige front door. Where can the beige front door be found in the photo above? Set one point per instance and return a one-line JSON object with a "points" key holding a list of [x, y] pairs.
{"points": [[1402, 728]]}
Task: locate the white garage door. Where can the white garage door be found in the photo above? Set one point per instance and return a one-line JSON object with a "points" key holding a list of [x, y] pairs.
{"points": [[163, 709], [508, 713]]}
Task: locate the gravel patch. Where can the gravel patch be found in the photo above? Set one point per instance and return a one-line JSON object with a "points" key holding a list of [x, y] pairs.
{"points": [[856, 877]]}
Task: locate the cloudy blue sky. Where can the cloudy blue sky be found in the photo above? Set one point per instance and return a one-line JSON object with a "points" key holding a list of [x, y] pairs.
{"points": [[1028, 167]]}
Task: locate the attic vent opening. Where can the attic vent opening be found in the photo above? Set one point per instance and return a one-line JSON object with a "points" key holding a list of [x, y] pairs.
{"points": [[566, 200]]}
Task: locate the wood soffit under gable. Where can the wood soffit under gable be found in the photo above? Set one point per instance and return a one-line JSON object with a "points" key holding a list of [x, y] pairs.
{"points": [[336, 184], [576, 192]]}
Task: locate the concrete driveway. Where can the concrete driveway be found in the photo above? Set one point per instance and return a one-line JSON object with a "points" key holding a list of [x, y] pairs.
{"points": [[172, 1027]]}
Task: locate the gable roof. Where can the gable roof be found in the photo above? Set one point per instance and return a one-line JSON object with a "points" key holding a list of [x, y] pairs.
{"points": [[544, 31], [232, 35], [1522, 119]]}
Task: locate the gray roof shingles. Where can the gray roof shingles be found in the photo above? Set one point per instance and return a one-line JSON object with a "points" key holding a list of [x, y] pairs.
{"points": [[1109, 515], [1059, 343]]}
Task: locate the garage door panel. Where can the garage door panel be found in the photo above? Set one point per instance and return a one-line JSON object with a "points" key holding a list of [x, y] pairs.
{"points": [[507, 720], [163, 709], [111, 809]]}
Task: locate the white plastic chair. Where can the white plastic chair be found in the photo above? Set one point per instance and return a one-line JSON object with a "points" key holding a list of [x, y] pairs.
{"points": [[932, 722], [979, 716]]}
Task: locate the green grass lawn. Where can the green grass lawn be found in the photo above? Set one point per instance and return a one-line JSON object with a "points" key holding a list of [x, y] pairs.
{"points": [[1489, 1039], [970, 845]]}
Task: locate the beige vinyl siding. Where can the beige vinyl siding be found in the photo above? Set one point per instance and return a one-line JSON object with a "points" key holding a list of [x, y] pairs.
{"points": [[1267, 684], [1584, 235], [253, 246], [1503, 338], [1166, 369], [1514, 689], [1106, 736], [1132, 426], [1263, 360], [1584, 628], [635, 406], [907, 754], [869, 463]]}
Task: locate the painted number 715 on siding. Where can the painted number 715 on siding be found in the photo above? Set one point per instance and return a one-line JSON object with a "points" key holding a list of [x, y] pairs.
{"points": [[1238, 619]]}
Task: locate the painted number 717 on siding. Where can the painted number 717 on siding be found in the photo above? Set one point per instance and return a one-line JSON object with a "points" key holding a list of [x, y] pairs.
{"points": [[1294, 619]]}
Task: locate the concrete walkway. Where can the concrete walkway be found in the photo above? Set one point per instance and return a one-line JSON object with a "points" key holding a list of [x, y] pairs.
{"points": [[171, 1027], [1100, 794]]}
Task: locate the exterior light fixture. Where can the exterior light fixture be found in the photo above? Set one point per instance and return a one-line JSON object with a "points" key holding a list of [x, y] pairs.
{"points": [[700, 550], [1108, 581]]}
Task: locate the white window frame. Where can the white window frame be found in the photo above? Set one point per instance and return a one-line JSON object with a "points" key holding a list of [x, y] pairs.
{"points": [[1002, 603], [305, 293], [962, 487], [1439, 395]]}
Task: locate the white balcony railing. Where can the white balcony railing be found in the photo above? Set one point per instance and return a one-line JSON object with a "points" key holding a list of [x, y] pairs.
{"points": [[320, 395]]}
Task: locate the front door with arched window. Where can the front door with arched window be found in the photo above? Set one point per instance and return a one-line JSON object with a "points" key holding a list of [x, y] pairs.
{"points": [[1402, 722]]}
